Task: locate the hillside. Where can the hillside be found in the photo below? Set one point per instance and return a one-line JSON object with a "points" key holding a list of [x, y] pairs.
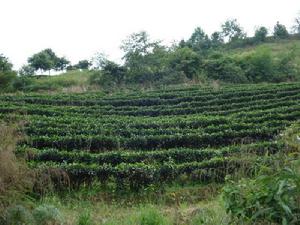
{"points": [[157, 136], [277, 48], [79, 81]]}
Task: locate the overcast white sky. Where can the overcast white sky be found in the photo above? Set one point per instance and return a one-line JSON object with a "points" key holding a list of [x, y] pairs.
{"points": [[78, 29]]}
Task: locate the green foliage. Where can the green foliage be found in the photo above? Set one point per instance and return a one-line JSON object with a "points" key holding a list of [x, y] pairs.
{"points": [[143, 141], [225, 68], [259, 66], [261, 34], [26, 70], [5, 65], [17, 215], [209, 216], [47, 60], [85, 219], [96, 78], [199, 41], [7, 75], [61, 63], [296, 27], [136, 45], [43, 60], [151, 216], [47, 214], [232, 30], [112, 74], [21, 83], [280, 31], [216, 39], [185, 60], [83, 64], [149, 63], [272, 197], [285, 66]]}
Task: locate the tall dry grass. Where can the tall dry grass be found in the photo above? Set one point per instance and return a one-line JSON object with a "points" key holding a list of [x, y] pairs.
{"points": [[15, 177]]}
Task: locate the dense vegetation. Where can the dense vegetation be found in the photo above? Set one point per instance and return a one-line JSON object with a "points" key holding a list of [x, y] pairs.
{"points": [[137, 140]]}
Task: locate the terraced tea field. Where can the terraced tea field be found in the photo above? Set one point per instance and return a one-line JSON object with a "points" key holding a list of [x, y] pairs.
{"points": [[140, 139]]}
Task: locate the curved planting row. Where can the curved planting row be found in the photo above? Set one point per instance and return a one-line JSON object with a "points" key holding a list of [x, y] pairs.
{"points": [[139, 139]]}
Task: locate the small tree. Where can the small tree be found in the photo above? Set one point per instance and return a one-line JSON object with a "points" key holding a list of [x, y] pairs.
{"points": [[26, 70], [46, 60], [261, 34], [199, 41], [114, 72], [280, 31], [83, 64], [42, 61], [232, 30], [296, 27], [61, 63], [99, 60], [216, 39], [138, 44], [7, 75]]}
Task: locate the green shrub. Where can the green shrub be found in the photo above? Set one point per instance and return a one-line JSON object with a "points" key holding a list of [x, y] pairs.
{"points": [[21, 83], [271, 197], [96, 78], [6, 79], [285, 66], [17, 215], [224, 68], [47, 215], [259, 65]]}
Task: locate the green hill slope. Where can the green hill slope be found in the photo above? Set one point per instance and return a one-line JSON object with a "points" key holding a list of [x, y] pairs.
{"points": [[78, 81], [141, 139]]}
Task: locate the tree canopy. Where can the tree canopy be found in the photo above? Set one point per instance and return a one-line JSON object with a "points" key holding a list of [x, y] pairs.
{"points": [[280, 31], [6, 72], [47, 60]]}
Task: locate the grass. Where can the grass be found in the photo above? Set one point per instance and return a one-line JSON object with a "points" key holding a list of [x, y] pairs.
{"points": [[87, 212], [71, 81], [15, 178], [277, 48]]}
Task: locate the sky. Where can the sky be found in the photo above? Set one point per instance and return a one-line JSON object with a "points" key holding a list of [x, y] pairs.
{"points": [[77, 29]]}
